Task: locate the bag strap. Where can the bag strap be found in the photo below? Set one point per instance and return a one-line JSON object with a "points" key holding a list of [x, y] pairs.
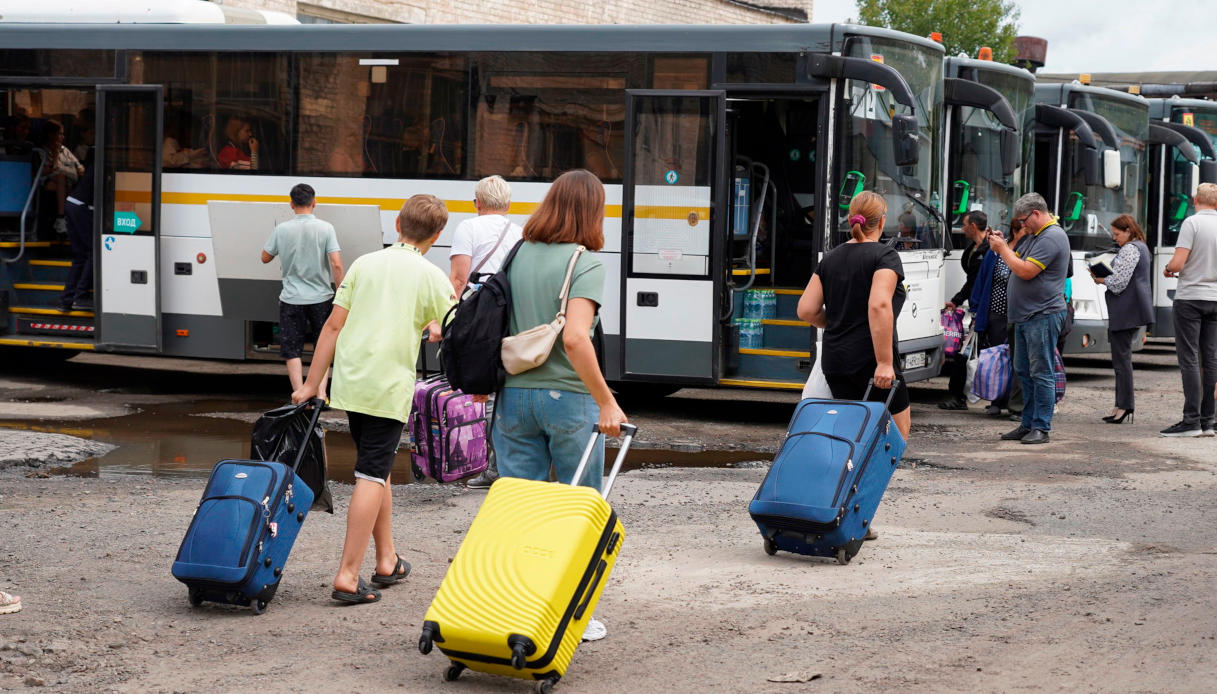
{"points": [[502, 235], [564, 295]]}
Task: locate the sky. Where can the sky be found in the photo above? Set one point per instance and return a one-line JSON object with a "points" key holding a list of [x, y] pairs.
{"points": [[1101, 35]]}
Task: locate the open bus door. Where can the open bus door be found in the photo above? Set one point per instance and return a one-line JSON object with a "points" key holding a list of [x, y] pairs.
{"points": [[127, 218], [672, 235]]}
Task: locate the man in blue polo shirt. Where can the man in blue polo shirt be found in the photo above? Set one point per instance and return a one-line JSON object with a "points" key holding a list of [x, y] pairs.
{"points": [[1036, 307]]}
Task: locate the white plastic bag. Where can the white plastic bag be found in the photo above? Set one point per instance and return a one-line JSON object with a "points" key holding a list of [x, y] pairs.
{"points": [[973, 359], [817, 385]]}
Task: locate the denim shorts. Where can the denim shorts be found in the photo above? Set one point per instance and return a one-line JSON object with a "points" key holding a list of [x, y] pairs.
{"points": [[536, 429]]}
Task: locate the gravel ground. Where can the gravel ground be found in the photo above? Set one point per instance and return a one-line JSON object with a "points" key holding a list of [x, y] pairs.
{"points": [[1084, 565]]}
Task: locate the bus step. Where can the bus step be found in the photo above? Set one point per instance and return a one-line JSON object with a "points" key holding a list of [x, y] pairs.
{"points": [[764, 383], [43, 311], [787, 300], [772, 365], [785, 334], [61, 325], [49, 271]]}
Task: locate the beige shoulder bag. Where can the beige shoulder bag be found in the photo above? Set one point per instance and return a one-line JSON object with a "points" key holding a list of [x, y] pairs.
{"points": [[531, 348]]}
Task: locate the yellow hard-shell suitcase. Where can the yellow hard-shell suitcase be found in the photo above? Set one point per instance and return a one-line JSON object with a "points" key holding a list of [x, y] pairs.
{"points": [[527, 577]]}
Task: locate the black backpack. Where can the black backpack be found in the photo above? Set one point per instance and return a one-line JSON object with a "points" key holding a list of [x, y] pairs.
{"points": [[473, 333]]}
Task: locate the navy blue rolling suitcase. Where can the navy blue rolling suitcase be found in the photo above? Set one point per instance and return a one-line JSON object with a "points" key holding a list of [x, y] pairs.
{"points": [[244, 528], [826, 482]]}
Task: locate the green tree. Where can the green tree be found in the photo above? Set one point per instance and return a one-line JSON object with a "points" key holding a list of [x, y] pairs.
{"points": [[966, 25]]}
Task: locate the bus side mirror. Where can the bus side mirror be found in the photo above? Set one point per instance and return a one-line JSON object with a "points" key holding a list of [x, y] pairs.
{"points": [[905, 146], [854, 182], [1009, 152], [1208, 171], [1111, 168]]}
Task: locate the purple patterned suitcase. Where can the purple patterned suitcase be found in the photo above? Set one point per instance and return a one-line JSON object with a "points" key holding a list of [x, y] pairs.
{"points": [[448, 432]]}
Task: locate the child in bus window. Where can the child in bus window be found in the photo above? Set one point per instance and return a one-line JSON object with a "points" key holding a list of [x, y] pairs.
{"points": [[241, 149]]}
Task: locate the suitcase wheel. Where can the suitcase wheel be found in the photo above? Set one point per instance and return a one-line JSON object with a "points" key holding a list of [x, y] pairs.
{"points": [[259, 606], [453, 672], [425, 644], [843, 556], [771, 547], [545, 686], [196, 597]]}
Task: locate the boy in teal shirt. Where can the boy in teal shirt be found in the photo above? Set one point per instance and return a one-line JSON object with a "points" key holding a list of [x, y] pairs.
{"points": [[373, 336]]}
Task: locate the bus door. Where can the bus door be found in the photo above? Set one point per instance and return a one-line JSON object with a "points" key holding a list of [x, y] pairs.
{"points": [[672, 216], [127, 216]]}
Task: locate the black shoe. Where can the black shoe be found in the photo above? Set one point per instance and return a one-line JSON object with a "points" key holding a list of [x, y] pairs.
{"points": [[64, 308], [82, 305], [1126, 414], [1016, 416], [1182, 429], [483, 480], [953, 404], [1206, 428], [993, 411], [1017, 434], [1036, 436]]}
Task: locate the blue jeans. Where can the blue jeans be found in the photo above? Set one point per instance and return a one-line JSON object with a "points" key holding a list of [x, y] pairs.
{"points": [[536, 428], [1035, 344]]}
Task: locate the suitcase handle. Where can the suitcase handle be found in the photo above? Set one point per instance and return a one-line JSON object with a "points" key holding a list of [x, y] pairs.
{"points": [[317, 404], [628, 431], [891, 392], [591, 589]]}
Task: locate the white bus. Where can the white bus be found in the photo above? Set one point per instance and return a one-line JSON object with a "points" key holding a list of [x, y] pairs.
{"points": [[668, 117], [1181, 157], [1091, 165]]}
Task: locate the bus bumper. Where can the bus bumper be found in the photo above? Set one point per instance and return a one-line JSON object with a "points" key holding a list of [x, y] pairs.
{"points": [[921, 358], [1164, 321], [1088, 336]]}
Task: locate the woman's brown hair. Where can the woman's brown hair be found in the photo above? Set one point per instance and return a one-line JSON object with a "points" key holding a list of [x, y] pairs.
{"points": [[572, 212], [1125, 222], [866, 210]]}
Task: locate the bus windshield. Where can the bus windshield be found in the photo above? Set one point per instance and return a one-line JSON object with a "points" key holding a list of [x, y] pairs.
{"points": [[867, 161], [979, 182], [1178, 204], [1087, 211]]}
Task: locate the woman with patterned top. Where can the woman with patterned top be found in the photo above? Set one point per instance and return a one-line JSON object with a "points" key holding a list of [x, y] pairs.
{"points": [[1129, 307]]}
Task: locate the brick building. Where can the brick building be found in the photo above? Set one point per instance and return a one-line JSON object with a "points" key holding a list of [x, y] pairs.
{"points": [[532, 12]]}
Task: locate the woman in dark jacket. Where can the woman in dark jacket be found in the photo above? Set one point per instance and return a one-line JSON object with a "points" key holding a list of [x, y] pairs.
{"points": [[1129, 307]]}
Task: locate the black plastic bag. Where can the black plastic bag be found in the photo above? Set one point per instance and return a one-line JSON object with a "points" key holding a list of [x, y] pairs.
{"points": [[277, 436]]}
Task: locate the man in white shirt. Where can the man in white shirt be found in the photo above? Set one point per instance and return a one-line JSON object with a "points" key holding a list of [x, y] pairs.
{"points": [[480, 245], [1195, 264]]}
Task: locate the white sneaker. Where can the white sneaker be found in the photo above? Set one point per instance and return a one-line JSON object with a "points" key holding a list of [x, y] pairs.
{"points": [[595, 630]]}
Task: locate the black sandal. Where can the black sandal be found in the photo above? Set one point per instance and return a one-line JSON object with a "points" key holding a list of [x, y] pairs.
{"points": [[400, 571], [359, 597]]}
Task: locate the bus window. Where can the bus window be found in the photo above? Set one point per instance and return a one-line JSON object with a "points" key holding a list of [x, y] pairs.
{"points": [[680, 72], [761, 68], [392, 116], [541, 115], [223, 112], [56, 63]]}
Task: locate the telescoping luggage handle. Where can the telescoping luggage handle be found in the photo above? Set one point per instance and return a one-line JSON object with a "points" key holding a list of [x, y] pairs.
{"points": [[317, 405], [627, 432], [891, 392]]}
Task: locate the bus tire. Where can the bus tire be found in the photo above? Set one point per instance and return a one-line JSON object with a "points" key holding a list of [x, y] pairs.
{"points": [[642, 392]]}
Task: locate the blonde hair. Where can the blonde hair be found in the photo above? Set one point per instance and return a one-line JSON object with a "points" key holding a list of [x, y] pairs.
{"points": [[871, 207], [421, 217], [493, 193], [1206, 194]]}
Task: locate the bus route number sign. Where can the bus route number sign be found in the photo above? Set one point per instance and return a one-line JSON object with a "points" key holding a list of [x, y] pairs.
{"points": [[126, 222]]}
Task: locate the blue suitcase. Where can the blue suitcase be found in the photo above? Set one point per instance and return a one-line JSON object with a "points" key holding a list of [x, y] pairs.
{"points": [[825, 484], [243, 530]]}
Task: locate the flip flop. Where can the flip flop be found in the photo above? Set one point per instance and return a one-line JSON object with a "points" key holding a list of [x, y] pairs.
{"points": [[400, 571], [359, 597], [9, 603]]}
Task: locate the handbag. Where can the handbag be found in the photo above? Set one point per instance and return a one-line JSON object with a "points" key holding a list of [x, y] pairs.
{"points": [[952, 331], [993, 373], [972, 349], [1058, 375], [531, 348]]}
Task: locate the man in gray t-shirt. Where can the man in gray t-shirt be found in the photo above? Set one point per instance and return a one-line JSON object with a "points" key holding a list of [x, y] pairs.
{"points": [[1195, 313], [1036, 307], [308, 252]]}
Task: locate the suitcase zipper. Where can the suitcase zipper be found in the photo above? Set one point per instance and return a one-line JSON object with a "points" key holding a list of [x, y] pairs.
{"points": [[447, 457]]}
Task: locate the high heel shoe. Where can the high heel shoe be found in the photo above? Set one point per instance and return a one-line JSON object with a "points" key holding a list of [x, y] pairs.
{"points": [[1128, 414]]}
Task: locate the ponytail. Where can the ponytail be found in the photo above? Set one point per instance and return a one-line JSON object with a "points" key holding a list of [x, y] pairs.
{"points": [[865, 212]]}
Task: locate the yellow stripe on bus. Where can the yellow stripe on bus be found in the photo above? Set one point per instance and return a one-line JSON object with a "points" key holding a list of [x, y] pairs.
{"points": [[51, 263], [775, 352], [17, 342], [746, 383], [387, 204], [39, 287]]}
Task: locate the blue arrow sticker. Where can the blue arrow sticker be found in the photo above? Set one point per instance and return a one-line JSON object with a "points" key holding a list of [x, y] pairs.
{"points": [[671, 177], [109, 242], [126, 222]]}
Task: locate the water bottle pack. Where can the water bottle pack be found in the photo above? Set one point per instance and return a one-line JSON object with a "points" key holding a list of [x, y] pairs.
{"points": [[760, 304], [751, 333]]}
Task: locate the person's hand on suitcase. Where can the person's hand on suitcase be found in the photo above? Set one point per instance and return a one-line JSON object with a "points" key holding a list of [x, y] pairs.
{"points": [[884, 375], [611, 419]]}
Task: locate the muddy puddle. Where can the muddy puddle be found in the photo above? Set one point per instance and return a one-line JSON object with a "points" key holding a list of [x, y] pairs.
{"points": [[187, 439]]}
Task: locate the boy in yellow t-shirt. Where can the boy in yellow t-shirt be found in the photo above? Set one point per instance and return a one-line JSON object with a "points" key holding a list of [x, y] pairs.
{"points": [[373, 336]]}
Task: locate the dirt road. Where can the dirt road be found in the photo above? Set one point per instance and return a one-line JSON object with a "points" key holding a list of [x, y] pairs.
{"points": [[1089, 564]]}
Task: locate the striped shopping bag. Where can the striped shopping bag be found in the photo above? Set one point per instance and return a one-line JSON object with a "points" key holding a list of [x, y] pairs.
{"points": [[1058, 375], [993, 373]]}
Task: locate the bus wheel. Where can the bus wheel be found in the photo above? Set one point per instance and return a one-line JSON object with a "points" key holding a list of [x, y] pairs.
{"points": [[643, 392]]}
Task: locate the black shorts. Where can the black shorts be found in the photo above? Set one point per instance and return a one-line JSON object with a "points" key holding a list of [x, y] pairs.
{"points": [[301, 323], [376, 442], [852, 386]]}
